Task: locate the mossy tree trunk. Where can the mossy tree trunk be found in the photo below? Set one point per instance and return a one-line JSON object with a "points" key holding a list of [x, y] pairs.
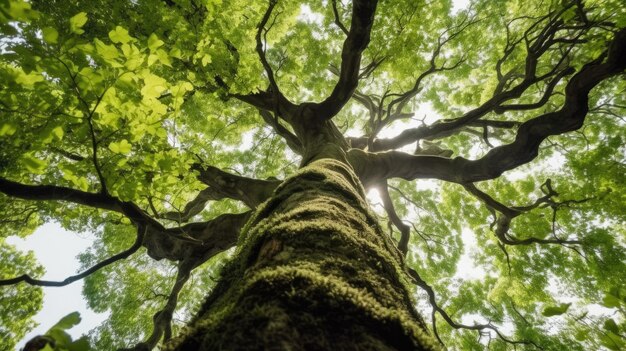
{"points": [[313, 271]]}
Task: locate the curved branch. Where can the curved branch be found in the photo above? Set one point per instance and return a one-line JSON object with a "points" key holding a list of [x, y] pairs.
{"points": [[260, 47], [94, 145], [537, 46], [357, 40], [448, 35], [67, 154], [503, 222], [61, 193], [337, 19], [425, 132], [385, 114], [200, 240], [120, 256], [266, 100], [478, 327], [291, 139], [162, 320], [192, 208], [544, 98], [248, 190], [405, 230], [58, 193], [506, 157]]}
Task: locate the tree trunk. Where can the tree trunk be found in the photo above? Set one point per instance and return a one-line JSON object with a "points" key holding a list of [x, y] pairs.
{"points": [[313, 271]]}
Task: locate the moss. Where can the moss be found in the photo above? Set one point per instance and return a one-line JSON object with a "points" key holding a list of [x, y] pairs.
{"points": [[313, 260]]}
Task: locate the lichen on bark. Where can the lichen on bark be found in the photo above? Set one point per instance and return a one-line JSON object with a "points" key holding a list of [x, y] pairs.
{"points": [[313, 271]]}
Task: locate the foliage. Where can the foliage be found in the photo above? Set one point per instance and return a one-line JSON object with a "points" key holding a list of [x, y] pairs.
{"points": [[57, 339], [133, 98], [19, 303]]}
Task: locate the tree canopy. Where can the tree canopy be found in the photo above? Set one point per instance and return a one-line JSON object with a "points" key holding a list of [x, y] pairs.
{"points": [[490, 138]]}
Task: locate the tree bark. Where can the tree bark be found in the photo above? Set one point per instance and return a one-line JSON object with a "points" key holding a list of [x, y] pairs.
{"points": [[313, 271]]}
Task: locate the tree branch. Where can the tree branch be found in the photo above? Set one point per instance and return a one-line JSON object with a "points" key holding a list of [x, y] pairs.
{"points": [[58, 193], [503, 222], [384, 115], [199, 240], [248, 190], [193, 207], [424, 132], [524, 149], [337, 18], [478, 327], [405, 230], [291, 139], [260, 47], [162, 320], [357, 40], [122, 255], [537, 46]]}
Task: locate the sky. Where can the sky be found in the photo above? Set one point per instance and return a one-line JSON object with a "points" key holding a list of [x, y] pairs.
{"points": [[57, 249]]}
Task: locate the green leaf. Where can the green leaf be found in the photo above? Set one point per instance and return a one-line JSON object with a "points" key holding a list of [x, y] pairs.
{"points": [[122, 147], [28, 81], [119, 35], [164, 57], [68, 321], [165, 164], [77, 22], [555, 310], [16, 11], [154, 42], [612, 341], [8, 128], [581, 335], [107, 52], [61, 338], [610, 325], [153, 85], [33, 164], [81, 344], [50, 35], [610, 301], [51, 134]]}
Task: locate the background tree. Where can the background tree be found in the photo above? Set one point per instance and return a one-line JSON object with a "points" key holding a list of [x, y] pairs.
{"points": [[161, 125]]}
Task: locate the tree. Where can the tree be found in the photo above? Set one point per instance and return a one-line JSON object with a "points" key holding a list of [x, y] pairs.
{"points": [[179, 129]]}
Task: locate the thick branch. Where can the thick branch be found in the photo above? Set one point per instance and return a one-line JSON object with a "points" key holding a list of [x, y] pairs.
{"points": [[200, 240], [58, 193], [425, 132], [537, 46], [193, 207], [209, 238], [506, 157], [267, 101], [357, 40], [248, 190]]}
